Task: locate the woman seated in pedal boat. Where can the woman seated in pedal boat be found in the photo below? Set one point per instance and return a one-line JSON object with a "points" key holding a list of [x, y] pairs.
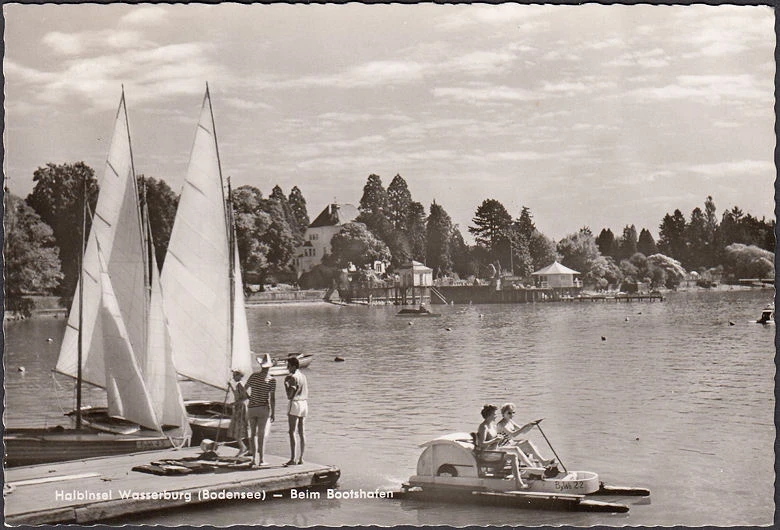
{"points": [[488, 439], [527, 451]]}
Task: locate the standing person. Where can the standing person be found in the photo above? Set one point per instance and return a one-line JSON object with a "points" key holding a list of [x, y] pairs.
{"points": [[262, 402], [297, 389], [239, 422]]}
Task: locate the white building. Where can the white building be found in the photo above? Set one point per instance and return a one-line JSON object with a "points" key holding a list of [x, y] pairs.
{"points": [[415, 274], [319, 233], [556, 276]]}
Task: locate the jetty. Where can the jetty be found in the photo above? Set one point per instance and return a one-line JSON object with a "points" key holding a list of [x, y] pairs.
{"points": [[108, 488]]}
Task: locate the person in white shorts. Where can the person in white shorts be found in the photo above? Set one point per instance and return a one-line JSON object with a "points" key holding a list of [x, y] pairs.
{"points": [[297, 389]]}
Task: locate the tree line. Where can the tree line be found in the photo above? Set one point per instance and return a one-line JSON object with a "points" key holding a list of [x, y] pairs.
{"points": [[43, 238]]}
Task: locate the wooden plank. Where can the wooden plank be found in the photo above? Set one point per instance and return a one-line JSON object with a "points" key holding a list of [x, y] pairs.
{"points": [[45, 480], [92, 492]]}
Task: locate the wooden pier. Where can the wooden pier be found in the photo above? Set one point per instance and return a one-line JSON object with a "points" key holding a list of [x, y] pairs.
{"points": [[99, 489]]}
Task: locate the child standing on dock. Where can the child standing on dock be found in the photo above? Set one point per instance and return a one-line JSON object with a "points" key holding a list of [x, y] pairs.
{"points": [[262, 402], [239, 423], [297, 390]]}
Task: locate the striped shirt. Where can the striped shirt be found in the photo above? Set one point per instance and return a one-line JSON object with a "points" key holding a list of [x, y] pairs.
{"points": [[261, 389]]}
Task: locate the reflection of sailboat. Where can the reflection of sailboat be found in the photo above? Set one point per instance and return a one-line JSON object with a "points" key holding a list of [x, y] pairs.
{"points": [[201, 277], [116, 337]]}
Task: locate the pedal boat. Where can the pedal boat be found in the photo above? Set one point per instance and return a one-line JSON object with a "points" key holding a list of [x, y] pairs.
{"points": [[449, 469]]}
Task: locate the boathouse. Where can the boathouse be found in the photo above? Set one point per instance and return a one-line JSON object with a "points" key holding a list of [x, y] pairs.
{"points": [[319, 234], [556, 276], [414, 278]]}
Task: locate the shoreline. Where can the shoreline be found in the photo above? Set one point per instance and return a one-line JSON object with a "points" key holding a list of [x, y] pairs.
{"points": [[314, 298]]}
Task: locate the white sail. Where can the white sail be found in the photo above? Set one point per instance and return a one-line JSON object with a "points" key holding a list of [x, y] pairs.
{"points": [[197, 269], [242, 355], [128, 396], [116, 226]]}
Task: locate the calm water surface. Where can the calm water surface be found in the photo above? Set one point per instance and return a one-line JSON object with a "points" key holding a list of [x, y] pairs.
{"points": [[676, 400]]}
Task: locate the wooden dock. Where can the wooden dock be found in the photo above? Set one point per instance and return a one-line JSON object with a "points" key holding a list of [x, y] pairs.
{"points": [[99, 489]]}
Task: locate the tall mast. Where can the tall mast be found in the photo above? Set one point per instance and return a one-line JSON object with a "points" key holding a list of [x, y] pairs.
{"points": [[81, 303], [228, 224]]}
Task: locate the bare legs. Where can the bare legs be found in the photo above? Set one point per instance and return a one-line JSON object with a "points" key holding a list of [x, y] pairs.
{"points": [[258, 430], [295, 423]]}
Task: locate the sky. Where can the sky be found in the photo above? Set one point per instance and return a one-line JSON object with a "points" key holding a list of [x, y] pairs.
{"points": [[599, 116]]}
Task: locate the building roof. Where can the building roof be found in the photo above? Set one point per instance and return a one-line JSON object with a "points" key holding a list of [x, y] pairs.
{"points": [[555, 268], [335, 215], [414, 265]]}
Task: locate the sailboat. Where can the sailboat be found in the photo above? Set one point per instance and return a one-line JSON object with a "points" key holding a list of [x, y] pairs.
{"points": [[201, 279], [116, 336]]}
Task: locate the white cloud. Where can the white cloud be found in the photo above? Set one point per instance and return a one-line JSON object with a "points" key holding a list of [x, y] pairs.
{"points": [[485, 94], [145, 15], [73, 44], [63, 43], [481, 63], [739, 168], [710, 88]]}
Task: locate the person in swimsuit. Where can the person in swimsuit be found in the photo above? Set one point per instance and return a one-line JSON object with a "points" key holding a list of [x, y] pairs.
{"points": [[297, 388], [488, 439], [527, 451]]}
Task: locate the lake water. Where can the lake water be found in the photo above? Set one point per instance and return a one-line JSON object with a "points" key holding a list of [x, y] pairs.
{"points": [[675, 400]]}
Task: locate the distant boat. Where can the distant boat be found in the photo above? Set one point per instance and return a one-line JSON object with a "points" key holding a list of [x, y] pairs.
{"points": [[116, 337], [420, 312]]}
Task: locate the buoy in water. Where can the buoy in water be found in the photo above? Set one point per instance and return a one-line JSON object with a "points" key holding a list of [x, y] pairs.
{"points": [[626, 319], [50, 339], [410, 323], [603, 337], [267, 322], [481, 315], [21, 369], [448, 329], [731, 323], [338, 360]]}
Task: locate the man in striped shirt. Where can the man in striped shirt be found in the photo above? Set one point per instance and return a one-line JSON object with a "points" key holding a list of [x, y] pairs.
{"points": [[262, 401]]}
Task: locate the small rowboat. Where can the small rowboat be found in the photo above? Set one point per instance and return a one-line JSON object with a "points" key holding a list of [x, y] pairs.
{"points": [[449, 469], [422, 312]]}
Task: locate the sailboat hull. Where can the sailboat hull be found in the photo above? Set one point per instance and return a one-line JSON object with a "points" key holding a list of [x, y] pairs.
{"points": [[30, 446]]}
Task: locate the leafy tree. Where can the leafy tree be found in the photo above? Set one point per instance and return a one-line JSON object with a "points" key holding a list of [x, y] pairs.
{"points": [[416, 223], [698, 254], [298, 209], [161, 202], [628, 242], [374, 199], [711, 224], [58, 198], [31, 259], [354, 243], [579, 252], [672, 240], [492, 224], [543, 250], [672, 268], [606, 243], [439, 237], [748, 261], [251, 225], [462, 263], [279, 237], [373, 208], [646, 243], [399, 200]]}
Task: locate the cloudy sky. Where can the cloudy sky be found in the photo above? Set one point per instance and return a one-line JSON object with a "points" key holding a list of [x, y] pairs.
{"points": [[589, 115]]}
